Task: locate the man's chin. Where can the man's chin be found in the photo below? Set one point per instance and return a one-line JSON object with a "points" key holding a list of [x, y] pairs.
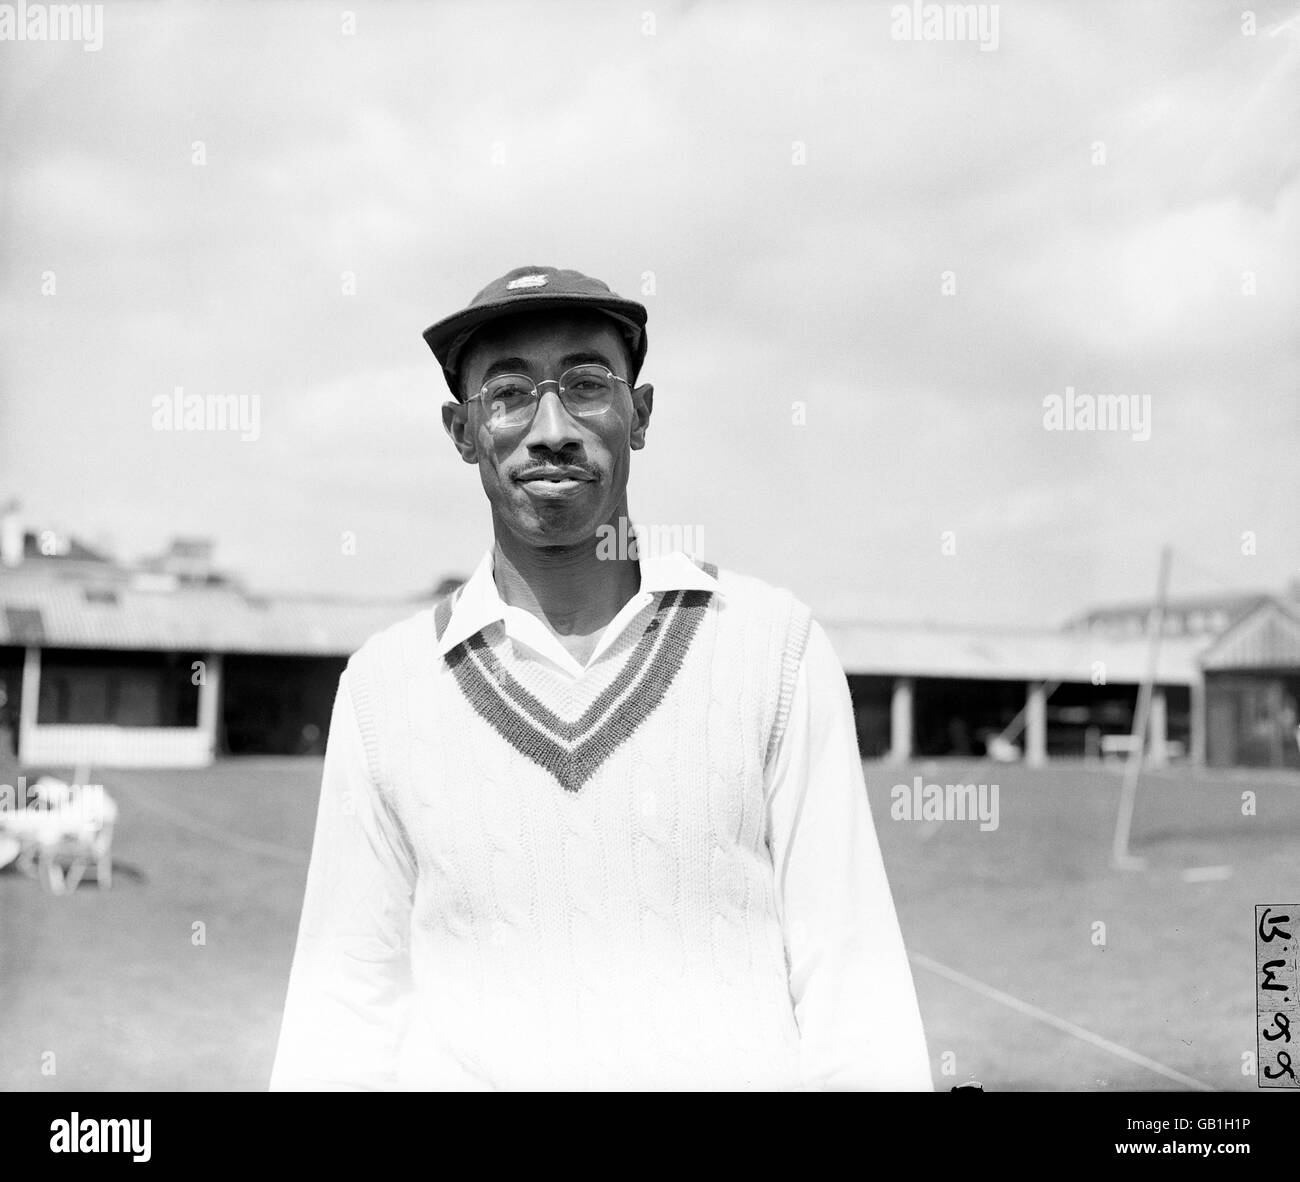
{"points": [[558, 524]]}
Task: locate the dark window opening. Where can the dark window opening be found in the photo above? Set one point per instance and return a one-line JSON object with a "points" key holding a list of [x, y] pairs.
{"points": [[82, 688]]}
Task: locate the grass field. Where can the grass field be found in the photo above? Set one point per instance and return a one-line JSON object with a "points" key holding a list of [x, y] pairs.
{"points": [[1000, 924]]}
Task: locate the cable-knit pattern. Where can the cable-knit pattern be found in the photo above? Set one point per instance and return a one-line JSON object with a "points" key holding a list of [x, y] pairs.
{"points": [[595, 904], [800, 621]]}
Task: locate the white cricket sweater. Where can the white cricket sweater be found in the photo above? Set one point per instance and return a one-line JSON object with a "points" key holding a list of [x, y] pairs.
{"points": [[565, 883]]}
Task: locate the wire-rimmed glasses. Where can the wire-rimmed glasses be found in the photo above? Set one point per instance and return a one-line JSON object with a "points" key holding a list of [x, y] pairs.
{"points": [[511, 399]]}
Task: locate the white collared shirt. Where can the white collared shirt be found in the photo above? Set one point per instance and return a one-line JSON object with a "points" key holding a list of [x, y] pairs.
{"points": [[480, 604]]}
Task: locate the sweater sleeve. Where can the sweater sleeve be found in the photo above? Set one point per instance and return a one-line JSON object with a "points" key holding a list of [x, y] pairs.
{"points": [[854, 1000], [349, 987]]}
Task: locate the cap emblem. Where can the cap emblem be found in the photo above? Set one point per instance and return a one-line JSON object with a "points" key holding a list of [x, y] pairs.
{"points": [[526, 281]]}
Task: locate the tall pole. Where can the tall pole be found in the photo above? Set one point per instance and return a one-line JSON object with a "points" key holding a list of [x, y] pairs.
{"points": [[1120, 856]]}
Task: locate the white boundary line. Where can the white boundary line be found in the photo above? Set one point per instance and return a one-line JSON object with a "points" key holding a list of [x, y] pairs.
{"points": [[1022, 1007]]}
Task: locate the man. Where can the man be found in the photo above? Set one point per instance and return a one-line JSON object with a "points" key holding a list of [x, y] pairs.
{"points": [[597, 820]]}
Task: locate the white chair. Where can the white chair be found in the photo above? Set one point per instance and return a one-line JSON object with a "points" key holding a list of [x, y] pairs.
{"points": [[68, 831]]}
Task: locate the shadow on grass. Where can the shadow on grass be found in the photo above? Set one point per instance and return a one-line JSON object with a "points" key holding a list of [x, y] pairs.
{"points": [[121, 870]]}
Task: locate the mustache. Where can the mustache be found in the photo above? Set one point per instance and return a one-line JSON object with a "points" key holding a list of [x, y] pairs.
{"points": [[578, 471]]}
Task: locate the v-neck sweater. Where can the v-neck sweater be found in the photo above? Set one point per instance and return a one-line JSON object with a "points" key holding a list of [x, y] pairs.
{"points": [[591, 895]]}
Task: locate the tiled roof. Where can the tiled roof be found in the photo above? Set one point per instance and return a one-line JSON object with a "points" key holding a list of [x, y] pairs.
{"points": [[995, 654], [1268, 638], [207, 618], [66, 613]]}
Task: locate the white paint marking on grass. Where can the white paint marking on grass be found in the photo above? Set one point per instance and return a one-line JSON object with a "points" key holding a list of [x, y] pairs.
{"points": [[1207, 873], [247, 845], [1052, 1020]]}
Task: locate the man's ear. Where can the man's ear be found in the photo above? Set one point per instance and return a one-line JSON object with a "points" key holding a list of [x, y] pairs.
{"points": [[643, 400], [455, 421]]}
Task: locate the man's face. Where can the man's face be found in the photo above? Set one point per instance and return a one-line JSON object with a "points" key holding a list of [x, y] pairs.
{"points": [[553, 481]]}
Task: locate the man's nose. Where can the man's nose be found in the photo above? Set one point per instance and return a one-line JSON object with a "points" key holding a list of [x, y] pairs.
{"points": [[552, 427]]}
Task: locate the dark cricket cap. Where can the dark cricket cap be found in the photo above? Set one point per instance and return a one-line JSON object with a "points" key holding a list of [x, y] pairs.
{"points": [[534, 289]]}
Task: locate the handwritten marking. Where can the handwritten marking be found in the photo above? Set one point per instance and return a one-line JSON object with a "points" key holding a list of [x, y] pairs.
{"points": [[1276, 972]]}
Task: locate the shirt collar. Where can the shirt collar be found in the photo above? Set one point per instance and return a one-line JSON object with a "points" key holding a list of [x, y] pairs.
{"points": [[479, 604]]}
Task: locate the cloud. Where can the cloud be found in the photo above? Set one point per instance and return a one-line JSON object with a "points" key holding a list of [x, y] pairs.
{"points": [[359, 186]]}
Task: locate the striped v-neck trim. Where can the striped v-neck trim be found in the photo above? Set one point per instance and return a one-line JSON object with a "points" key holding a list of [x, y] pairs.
{"points": [[572, 750]]}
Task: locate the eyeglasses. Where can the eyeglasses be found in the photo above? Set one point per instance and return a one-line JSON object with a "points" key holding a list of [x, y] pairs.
{"points": [[511, 400]]}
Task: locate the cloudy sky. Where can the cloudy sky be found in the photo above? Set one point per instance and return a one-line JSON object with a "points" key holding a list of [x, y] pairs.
{"points": [[1114, 189]]}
